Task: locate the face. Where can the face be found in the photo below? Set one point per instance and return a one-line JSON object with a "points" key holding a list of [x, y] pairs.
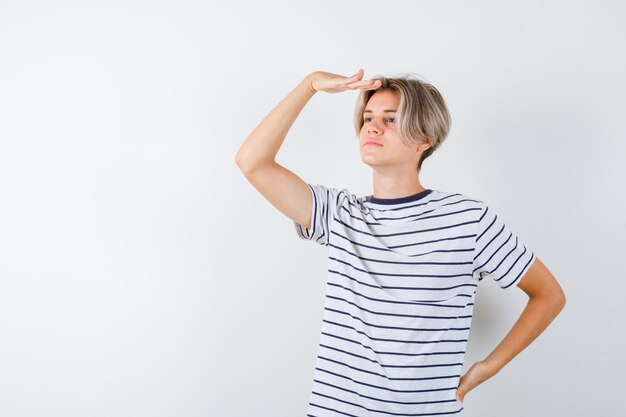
{"points": [[380, 143]]}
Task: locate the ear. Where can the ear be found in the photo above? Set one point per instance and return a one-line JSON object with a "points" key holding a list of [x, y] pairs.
{"points": [[422, 147]]}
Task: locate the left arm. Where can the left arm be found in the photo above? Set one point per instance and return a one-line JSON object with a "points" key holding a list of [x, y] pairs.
{"points": [[546, 300]]}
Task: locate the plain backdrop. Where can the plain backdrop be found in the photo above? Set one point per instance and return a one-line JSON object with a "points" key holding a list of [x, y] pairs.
{"points": [[142, 275]]}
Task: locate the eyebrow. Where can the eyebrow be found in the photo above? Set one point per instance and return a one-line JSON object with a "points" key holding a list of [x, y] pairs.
{"points": [[384, 111]]}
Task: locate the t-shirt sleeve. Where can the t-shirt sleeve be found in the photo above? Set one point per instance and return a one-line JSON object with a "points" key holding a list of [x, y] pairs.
{"points": [[499, 252], [323, 211]]}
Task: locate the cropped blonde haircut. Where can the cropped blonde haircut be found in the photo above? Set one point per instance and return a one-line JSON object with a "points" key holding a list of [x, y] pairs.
{"points": [[422, 115]]}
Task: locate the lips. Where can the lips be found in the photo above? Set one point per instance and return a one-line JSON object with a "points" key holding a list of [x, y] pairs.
{"points": [[372, 143]]}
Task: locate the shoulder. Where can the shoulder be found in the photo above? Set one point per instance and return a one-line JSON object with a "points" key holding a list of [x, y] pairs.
{"points": [[457, 198], [331, 195]]}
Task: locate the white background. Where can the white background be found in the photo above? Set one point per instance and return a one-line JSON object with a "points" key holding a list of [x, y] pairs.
{"points": [[142, 275]]}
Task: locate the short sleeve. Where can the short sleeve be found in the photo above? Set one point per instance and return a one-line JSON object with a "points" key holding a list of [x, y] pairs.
{"points": [[499, 252], [322, 214]]}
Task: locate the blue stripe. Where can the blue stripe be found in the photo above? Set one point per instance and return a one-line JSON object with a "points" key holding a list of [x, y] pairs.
{"points": [[392, 314], [386, 388], [376, 411], [382, 365], [427, 303], [421, 329], [380, 399]]}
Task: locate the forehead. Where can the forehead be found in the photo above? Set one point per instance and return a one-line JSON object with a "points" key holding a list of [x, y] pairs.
{"points": [[383, 100]]}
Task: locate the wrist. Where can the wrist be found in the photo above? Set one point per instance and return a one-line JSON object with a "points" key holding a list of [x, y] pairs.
{"points": [[309, 82], [493, 365]]}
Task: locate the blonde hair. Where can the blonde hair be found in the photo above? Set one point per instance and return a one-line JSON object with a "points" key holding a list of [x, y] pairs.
{"points": [[422, 115]]}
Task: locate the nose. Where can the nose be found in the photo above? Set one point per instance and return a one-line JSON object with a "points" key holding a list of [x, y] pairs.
{"points": [[373, 127]]}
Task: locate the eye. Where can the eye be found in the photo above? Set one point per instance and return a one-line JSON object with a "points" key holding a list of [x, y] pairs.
{"points": [[390, 118]]}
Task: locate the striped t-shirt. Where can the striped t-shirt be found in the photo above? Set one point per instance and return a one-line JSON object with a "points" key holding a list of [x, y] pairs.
{"points": [[402, 277]]}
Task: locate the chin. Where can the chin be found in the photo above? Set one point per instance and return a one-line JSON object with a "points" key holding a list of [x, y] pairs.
{"points": [[371, 162]]}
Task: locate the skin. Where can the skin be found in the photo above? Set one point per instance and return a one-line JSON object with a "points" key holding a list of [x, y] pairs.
{"points": [[546, 299], [394, 175], [394, 164]]}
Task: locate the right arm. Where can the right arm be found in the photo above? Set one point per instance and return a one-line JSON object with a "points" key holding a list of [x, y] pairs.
{"points": [[256, 157]]}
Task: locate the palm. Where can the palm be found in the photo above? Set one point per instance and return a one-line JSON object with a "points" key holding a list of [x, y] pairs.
{"points": [[335, 83]]}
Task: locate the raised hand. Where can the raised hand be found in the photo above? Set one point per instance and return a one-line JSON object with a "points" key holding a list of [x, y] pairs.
{"points": [[335, 83]]}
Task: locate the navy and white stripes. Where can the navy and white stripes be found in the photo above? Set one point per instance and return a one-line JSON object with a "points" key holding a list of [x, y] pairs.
{"points": [[402, 278], [499, 252], [320, 215]]}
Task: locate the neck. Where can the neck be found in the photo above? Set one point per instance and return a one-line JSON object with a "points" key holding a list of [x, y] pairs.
{"points": [[393, 186]]}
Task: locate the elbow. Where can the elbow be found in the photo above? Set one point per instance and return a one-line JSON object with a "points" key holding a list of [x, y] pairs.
{"points": [[558, 301], [246, 167], [562, 300], [248, 164], [558, 304], [559, 296], [241, 162], [239, 157]]}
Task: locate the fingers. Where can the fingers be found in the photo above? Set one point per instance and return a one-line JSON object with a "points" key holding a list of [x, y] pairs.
{"points": [[358, 74], [375, 84], [354, 83], [365, 85]]}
